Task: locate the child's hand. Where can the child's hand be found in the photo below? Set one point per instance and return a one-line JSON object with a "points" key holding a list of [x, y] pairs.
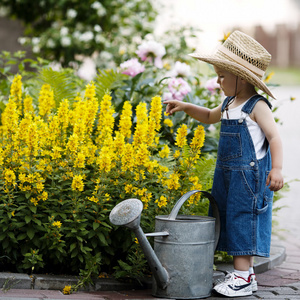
{"points": [[174, 105], [275, 180]]}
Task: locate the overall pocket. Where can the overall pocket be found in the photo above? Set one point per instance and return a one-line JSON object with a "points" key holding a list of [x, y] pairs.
{"points": [[267, 198], [230, 146]]}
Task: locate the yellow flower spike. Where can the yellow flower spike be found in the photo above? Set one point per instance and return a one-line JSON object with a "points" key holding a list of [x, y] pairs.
{"points": [[181, 136], [46, 100], [155, 116], [106, 120], [77, 183], [28, 107], [16, 91], [125, 123], [198, 139], [141, 129]]}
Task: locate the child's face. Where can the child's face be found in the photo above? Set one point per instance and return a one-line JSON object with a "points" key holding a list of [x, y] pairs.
{"points": [[227, 81]]}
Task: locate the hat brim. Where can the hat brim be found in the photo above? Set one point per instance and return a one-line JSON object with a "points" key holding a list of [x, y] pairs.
{"points": [[235, 69]]}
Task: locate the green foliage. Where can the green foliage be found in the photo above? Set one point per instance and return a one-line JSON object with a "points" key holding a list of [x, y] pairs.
{"points": [[65, 30]]}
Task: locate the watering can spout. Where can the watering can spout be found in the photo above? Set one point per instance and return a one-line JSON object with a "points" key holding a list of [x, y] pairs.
{"points": [[128, 213]]}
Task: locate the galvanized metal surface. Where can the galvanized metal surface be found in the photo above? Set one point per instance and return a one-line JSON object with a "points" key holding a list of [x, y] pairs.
{"points": [[182, 259]]}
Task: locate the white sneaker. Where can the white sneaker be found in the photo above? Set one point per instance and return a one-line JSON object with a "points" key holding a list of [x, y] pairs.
{"points": [[253, 280], [234, 286]]}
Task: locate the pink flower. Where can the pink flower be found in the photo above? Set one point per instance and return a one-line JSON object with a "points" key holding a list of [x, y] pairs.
{"points": [[212, 85], [178, 88], [151, 49], [132, 67]]}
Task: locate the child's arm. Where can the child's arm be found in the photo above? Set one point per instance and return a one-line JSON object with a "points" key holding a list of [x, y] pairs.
{"points": [[202, 114], [264, 118]]}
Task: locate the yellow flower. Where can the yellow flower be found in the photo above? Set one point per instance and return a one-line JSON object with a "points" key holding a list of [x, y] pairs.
{"points": [[34, 201], [77, 183], [198, 139], [28, 108], [67, 290], [9, 176], [93, 199], [162, 202], [155, 116], [141, 129], [168, 122], [125, 122], [46, 100], [181, 136], [80, 159], [16, 90], [176, 154], [106, 120], [164, 152], [13, 213], [57, 224], [268, 77], [225, 36]]}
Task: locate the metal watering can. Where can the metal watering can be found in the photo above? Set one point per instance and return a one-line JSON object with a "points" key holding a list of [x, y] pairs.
{"points": [[183, 255]]}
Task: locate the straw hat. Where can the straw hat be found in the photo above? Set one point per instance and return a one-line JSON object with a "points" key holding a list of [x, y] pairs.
{"points": [[243, 56]]}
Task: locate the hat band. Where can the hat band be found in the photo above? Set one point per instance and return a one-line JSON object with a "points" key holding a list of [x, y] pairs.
{"points": [[260, 73]]}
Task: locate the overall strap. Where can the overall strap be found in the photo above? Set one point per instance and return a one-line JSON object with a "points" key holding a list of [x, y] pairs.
{"points": [[248, 107], [227, 99]]}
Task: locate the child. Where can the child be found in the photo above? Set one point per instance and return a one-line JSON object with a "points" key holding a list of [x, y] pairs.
{"points": [[249, 163]]}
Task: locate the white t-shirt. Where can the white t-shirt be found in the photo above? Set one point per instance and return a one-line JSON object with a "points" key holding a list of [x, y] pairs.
{"points": [[258, 136]]}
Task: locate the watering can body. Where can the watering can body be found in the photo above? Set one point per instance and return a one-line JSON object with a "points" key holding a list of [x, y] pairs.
{"points": [[187, 254], [182, 259]]}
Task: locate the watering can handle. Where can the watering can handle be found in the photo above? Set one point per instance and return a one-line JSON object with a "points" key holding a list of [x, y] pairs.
{"points": [[214, 206]]}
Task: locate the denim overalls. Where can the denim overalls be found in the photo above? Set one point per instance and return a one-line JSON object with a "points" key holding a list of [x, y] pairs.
{"points": [[244, 200]]}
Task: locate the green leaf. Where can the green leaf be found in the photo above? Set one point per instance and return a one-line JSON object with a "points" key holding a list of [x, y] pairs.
{"points": [[28, 219], [73, 246], [102, 238], [30, 232], [62, 84], [95, 225]]}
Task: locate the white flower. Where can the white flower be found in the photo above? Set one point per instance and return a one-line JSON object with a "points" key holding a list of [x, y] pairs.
{"points": [[76, 34], [96, 5], [100, 39], [87, 70], [97, 28], [65, 41], [87, 36], [36, 49], [105, 55], [50, 43], [64, 31], [71, 13], [35, 41], [180, 69], [22, 40], [149, 49]]}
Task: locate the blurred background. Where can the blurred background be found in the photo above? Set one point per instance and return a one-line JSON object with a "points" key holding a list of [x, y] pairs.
{"points": [[87, 35]]}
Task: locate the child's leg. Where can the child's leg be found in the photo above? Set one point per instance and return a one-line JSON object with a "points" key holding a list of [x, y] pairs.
{"points": [[242, 263]]}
